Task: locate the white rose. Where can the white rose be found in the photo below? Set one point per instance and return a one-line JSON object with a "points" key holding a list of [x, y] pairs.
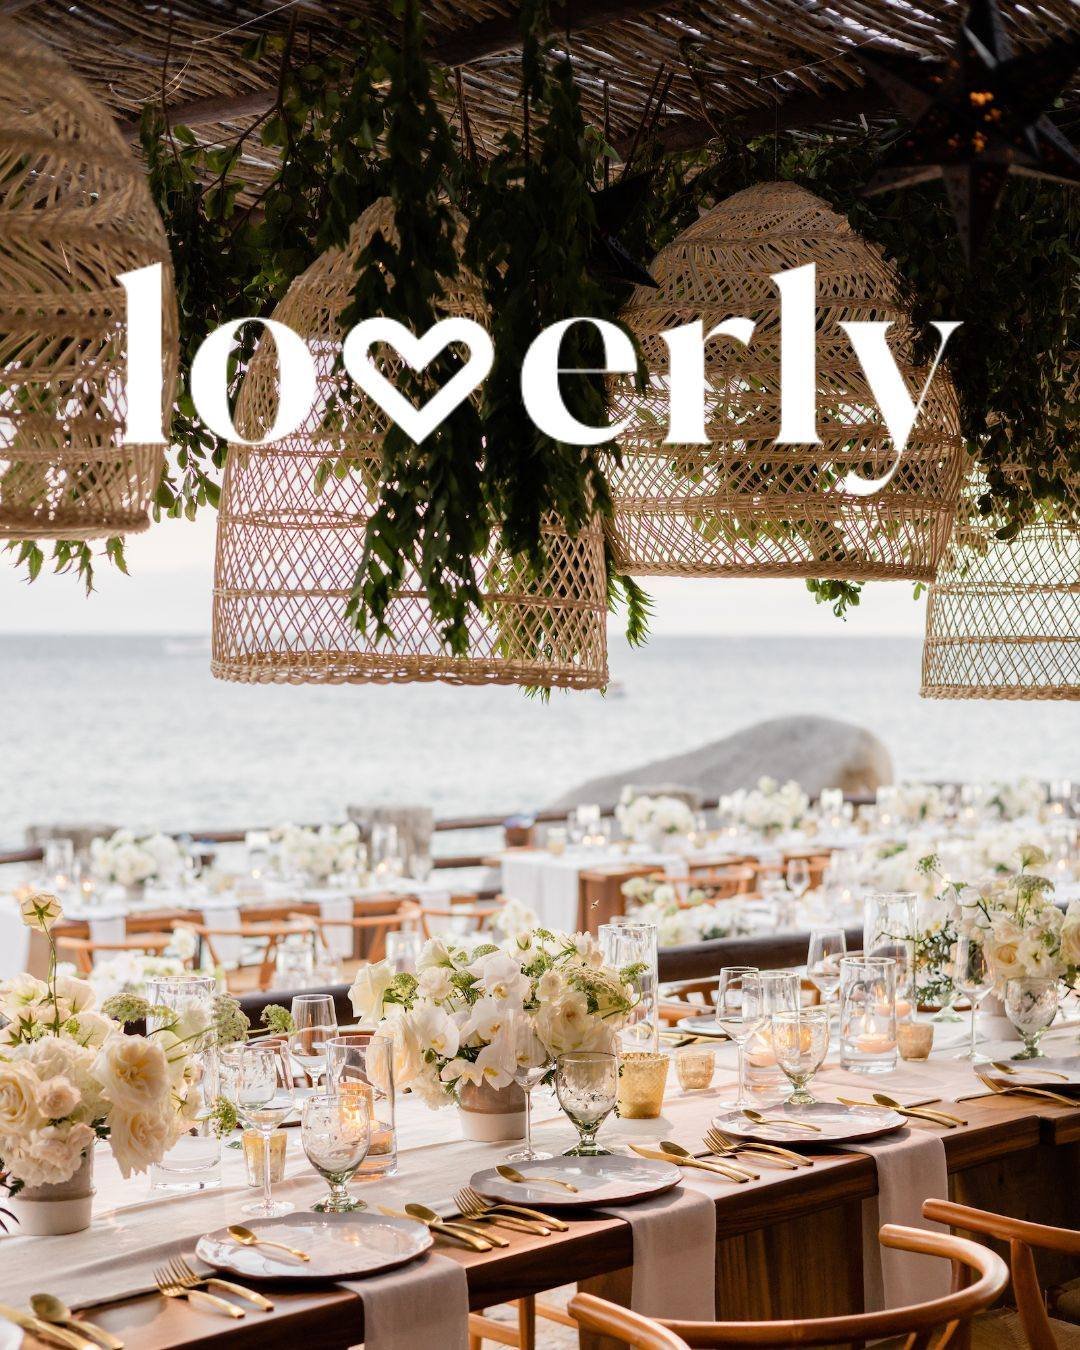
{"points": [[40, 910], [133, 1073], [59, 1057], [57, 1098], [50, 1155], [369, 990], [141, 1137], [20, 1112], [434, 983], [1005, 958], [1070, 935]]}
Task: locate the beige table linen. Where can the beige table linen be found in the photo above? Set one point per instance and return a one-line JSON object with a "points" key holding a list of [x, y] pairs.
{"points": [[674, 1238], [425, 1303]]}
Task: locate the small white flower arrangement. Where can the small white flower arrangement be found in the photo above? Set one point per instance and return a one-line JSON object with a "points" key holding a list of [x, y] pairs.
{"points": [[449, 1020], [1019, 800], [651, 820], [771, 807], [126, 859], [69, 1075], [319, 854], [917, 803]]}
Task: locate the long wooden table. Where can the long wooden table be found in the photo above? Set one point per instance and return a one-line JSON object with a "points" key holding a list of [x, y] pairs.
{"points": [[788, 1244]]}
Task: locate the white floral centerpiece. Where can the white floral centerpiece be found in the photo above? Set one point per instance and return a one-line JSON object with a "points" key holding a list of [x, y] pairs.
{"points": [[449, 1020], [70, 1075], [651, 820], [917, 803], [771, 807], [319, 854], [654, 901], [126, 859], [1018, 800]]}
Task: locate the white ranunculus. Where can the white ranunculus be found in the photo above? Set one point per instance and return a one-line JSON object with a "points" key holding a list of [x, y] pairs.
{"points": [[434, 982], [429, 1088], [133, 1073], [20, 1110], [1035, 957], [40, 910], [142, 1137], [50, 1155], [369, 990]]}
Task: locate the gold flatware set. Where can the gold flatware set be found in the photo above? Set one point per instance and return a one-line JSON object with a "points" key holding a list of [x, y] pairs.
{"points": [[48, 1308], [681, 1157], [724, 1145], [913, 1112]]}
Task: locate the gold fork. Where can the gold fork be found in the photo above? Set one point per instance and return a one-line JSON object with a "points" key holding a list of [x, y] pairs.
{"points": [[997, 1085], [471, 1201], [196, 1297], [190, 1279], [722, 1144], [480, 1213]]}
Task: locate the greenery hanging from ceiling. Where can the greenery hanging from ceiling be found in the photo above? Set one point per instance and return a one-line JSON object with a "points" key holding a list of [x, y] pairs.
{"points": [[367, 120]]}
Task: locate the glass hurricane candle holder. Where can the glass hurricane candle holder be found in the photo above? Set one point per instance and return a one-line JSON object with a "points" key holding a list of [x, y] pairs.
{"points": [[889, 926], [695, 1066], [915, 1040], [868, 1013], [364, 1061], [1031, 1004], [186, 1003], [779, 993], [642, 1079], [636, 944]]}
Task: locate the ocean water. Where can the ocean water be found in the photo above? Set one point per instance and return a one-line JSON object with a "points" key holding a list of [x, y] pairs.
{"points": [[133, 730]]}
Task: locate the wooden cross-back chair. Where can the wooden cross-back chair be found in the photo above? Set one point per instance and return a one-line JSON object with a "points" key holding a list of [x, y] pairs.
{"points": [[463, 915], [83, 952], [1030, 1324], [721, 883], [939, 1324], [374, 927], [269, 936]]}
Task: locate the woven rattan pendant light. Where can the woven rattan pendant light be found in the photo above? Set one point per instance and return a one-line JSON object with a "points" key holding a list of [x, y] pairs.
{"points": [[75, 212], [1003, 619], [287, 549], [743, 505]]}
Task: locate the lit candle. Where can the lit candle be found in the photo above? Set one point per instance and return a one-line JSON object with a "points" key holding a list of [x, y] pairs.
{"points": [[875, 1042]]}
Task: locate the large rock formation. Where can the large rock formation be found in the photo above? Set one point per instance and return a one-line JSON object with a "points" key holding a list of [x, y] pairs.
{"points": [[819, 752]]}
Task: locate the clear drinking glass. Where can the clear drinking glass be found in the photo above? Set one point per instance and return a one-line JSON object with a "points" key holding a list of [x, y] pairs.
{"points": [[823, 954], [973, 977], [636, 944], [315, 1023], [889, 925], [194, 1161], [1031, 1004], [797, 876], [335, 1130], [587, 1085], [740, 1012], [364, 1060], [532, 1061], [779, 993], [403, 950], [868, 1013], [800, 1042], [256, 1079]]}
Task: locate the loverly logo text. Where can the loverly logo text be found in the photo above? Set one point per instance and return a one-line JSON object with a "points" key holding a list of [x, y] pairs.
{"points": [[688, 387]]}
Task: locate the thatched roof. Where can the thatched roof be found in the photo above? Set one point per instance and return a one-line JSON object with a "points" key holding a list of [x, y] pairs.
{"points": [[727, 60]]}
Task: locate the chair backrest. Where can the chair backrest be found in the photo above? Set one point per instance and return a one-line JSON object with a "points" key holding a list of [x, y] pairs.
{"points": [[458, 919], [84, 951], [1022, 1236], [720, 883], [939, 1323]]}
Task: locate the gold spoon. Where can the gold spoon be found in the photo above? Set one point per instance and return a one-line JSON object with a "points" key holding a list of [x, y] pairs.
{"points": [[434, 1220], [759, 1119], [537, 1179], [684, 1155], [51, 1309], [883, 1099], [1012, 1071], [247, 1238], [467, 1239]]}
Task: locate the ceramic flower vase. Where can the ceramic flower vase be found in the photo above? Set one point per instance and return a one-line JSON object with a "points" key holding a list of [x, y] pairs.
{"points": [[491, 1115], [49, 1210]]}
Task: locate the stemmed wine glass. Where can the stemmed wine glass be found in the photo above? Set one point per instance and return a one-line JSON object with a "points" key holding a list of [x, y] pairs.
{"points": [[973, 977], [827, 946], [800, 1040], [587, 1084], [532, 1061], [257, 1081], [335, 1130], [1031, 1004], [797, 876], [315, 1022], [740, 1011]]}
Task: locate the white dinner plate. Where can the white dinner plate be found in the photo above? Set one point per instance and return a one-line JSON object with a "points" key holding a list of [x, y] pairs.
{"points": [[702, 1024], [836, 1124], [1045, 1071], [338, 1244], [609, 1180]]}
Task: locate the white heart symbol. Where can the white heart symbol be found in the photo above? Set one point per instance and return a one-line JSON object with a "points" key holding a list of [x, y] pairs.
{"points": [[418, 352]]}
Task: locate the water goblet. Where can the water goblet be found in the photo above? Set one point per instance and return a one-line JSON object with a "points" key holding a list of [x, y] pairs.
{"points": [[587, 1085], [256, 1080], [800, 1042], [973, 977], [740, 1012], [335, 1130], [826, 947], [532, 1061], [314, 1024], [1031, 1004]]}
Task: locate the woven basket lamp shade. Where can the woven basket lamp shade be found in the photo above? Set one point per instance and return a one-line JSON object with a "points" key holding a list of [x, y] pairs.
{"points": [[742, 505], [75, 212], [287, 550], [1003, 619]]}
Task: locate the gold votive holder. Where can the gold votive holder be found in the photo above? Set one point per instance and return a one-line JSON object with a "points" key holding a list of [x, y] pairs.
{"points": [[252, 1141], [915, 1039], [694, 1066], [642, 1078]]}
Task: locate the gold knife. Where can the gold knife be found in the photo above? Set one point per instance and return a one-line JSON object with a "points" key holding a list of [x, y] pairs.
{"points": [[45, 1330]]}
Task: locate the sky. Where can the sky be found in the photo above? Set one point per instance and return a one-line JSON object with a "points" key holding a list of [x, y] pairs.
{"points": [[171, 576]]}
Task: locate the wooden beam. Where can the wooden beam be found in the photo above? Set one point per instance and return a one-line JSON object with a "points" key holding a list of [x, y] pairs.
{"points": [[490, 37]]}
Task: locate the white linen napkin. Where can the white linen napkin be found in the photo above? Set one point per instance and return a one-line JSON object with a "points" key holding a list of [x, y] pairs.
{"points": [[229, 950], [674, 1237], [425, 1303], [338, 940], [14, 939], [107, 928], [910, 1169]]}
